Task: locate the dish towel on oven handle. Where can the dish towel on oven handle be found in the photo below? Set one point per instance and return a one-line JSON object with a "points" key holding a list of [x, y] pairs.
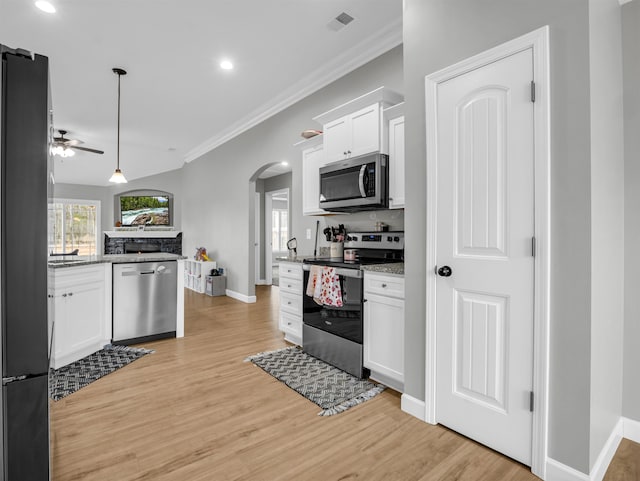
{"points": [[331, 291], [314, 284]]}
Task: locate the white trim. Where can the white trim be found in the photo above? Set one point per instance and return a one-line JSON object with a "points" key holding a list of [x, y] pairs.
{"points": [[98, 206], [607, 453], [538, 41], [631, 429], [622, 2], [412, 406], [364, 52], [557, 471], [240, 297], [262, 282]]}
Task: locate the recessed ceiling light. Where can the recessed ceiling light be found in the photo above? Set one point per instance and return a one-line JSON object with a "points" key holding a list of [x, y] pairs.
{"points": [[284, 162], [45, 6], [226, 65]]}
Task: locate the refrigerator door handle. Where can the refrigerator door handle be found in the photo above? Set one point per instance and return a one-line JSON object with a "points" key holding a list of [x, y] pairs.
{"points": [[10, 379]]}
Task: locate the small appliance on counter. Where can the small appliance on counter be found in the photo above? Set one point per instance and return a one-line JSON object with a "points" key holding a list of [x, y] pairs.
{"points": [[292, 245]]}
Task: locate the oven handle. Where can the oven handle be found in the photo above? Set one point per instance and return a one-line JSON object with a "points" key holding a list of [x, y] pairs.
{"points": [[355, 273], [363, 192]]}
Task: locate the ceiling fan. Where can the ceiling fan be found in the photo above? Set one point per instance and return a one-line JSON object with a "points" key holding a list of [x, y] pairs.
{"points": [[63, 147]]}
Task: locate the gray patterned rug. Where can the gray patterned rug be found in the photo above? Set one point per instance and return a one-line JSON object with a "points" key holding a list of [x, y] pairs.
{"points": [[68, 379], [330, 388]]}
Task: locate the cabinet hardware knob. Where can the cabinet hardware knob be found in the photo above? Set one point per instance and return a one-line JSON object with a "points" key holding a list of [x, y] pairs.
{"points": [[70, 294], [384, 285], [288, 285], [289, 303], [49, 296], [64, 295]]}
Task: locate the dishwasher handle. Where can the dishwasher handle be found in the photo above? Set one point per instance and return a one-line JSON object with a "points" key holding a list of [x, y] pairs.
{"points": [[136, 273]]}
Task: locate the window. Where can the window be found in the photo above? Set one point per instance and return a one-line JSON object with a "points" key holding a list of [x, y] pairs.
{"points": [[279, 230], [73, 224]]}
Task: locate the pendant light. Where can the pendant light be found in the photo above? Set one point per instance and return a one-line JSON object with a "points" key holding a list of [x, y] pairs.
{"points": [[117, 176]]}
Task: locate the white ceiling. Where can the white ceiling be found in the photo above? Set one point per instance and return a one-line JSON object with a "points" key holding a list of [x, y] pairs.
{"points": [[177, 103]]}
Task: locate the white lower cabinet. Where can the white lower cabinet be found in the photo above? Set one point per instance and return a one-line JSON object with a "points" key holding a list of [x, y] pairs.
{"points": [[383, 341], [81, 314], [290, 319]]}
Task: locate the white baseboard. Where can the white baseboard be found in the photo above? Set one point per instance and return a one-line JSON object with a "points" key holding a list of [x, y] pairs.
{"points": [[240, 297], [631, 429], [608, 452], [413, 406], [557, 471], [262, 282]]}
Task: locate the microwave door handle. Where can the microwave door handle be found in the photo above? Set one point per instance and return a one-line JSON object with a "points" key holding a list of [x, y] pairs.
{"points": [[363, 193]]}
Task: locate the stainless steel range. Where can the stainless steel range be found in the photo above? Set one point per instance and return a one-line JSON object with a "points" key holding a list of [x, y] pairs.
{"points": [[332, 331]]}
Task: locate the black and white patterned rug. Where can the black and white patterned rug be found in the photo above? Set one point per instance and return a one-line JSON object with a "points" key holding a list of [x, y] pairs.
{"points": [[68, 379], [330, 388]]}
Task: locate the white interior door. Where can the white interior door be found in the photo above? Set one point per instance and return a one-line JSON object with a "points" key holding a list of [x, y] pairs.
{"points": [[485, 282]]}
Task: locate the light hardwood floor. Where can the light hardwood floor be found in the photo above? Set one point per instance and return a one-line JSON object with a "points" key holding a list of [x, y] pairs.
{"points": [[195, 411]]}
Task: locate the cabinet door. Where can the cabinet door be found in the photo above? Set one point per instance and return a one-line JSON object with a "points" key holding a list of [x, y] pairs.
{"points": [[396, 163], [312, 160], [84, 316], [365, 131], [336, 138], [384, 336]]}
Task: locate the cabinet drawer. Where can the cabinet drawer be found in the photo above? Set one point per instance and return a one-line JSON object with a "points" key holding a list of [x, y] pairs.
{"points": [[291, 271], [291, 303], [290, 284], [291, 323], [384, 285]]}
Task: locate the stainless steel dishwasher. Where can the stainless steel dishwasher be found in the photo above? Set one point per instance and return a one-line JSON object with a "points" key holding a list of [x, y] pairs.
{"points": [[144, 301]]}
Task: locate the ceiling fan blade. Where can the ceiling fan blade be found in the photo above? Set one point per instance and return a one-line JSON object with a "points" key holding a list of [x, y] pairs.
{"points": [[87, 149], [73, 142]]}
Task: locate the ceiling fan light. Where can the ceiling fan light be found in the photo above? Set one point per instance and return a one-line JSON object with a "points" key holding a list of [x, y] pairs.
{"points": [[118, 177], [66, 152]]}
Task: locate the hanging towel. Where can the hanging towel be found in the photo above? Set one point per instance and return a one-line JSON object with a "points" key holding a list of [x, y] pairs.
{"points": [[331, 294], [314, 283]]}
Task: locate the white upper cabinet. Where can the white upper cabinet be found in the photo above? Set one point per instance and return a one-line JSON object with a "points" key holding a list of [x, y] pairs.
{"points": [[312, 159], [354, 134], [395, 118], [357, 127]]}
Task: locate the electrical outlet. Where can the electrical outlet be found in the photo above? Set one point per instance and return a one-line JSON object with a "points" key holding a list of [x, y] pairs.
{"points": [[308, 233]]}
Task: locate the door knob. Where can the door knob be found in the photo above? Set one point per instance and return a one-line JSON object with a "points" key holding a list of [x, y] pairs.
{"points": [[445, 271]]}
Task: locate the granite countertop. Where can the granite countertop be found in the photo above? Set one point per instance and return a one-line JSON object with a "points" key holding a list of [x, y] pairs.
{"points": [[71, 261], [396, 268]]}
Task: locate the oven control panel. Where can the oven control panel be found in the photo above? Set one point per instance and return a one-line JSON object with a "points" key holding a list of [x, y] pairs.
{"points": [[374, 240]]}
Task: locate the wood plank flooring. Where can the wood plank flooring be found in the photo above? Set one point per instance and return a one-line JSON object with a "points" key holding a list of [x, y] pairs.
{"points": [[195, 411]]}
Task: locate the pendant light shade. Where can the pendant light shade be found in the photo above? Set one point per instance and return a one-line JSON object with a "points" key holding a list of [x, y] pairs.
{"points": [[118, 177]]}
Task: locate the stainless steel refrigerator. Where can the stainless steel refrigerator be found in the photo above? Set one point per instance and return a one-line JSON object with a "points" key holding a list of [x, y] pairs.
{"points": [[23, 266]]}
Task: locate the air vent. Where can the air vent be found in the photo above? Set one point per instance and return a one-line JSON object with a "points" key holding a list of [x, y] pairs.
{"points": [[340, 22]]}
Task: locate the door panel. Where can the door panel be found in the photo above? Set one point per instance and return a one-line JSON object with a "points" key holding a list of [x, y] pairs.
{"points": [[485, 222], [481, 181]]}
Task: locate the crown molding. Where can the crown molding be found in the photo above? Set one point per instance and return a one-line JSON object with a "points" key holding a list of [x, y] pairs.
{"points": [[363, 52], [622, 2]]}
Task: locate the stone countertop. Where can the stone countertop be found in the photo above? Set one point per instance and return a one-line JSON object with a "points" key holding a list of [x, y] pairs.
{"points": [[395, 268], [72, 261]]}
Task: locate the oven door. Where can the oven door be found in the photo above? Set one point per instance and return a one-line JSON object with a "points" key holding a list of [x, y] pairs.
{"points": [[345, 321]]}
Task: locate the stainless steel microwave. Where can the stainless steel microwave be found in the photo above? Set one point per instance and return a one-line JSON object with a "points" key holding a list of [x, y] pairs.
{"points": [[359, 183]]}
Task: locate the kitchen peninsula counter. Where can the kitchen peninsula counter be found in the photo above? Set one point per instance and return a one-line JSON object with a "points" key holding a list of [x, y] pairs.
{"points": [[71, 261]]}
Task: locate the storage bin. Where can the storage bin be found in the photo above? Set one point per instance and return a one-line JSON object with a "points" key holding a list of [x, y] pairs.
{"points": [[216, 285]]}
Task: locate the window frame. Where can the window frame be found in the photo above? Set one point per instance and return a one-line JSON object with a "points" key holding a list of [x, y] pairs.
{"points": [[92, 202]]}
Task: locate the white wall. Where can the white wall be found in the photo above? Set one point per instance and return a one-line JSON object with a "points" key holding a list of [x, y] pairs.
{"points": [[439, 33], [631, 46], [607, 220]]}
